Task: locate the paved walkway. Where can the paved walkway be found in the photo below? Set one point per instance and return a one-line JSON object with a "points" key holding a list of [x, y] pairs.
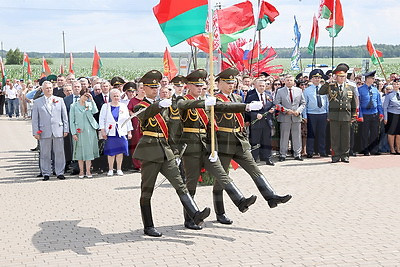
{"points": [[341, 214]]}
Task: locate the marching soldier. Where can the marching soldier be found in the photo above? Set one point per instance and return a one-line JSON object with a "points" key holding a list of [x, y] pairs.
{"points": [[233, 144], [197, 154], [156, 155], [342, 111]]}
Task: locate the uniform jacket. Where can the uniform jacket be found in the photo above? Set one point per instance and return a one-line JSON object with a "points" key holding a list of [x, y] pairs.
{"points": [[52, 121], [342, 105], [282, 98], [149, 148], [107, 122], [228, 141], [174, 126]]}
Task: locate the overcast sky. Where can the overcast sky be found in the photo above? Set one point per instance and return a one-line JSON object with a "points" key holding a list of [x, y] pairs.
{"points": [[129, 25]]}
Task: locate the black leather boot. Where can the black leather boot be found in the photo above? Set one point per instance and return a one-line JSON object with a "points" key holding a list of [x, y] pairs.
{"points": [[219, 208], [147, 219], [194, 218], [237, 197], [268, 193]]}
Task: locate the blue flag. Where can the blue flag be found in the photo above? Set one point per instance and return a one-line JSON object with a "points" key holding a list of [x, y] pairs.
{"points": [[294, 60]]}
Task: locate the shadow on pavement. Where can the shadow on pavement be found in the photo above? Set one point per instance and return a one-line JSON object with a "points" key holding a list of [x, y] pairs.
{"points": [[23, 164], [67, 235]]}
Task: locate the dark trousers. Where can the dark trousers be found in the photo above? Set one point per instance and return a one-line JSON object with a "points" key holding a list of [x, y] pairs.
{"points": [[316, 131], [370, 133], [340, 139], [2, 101], [261, 136]]}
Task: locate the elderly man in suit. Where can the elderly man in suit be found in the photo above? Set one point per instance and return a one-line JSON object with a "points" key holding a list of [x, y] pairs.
{"points": [[260, 130], [102, 98], [49, 126], [290, 102]]}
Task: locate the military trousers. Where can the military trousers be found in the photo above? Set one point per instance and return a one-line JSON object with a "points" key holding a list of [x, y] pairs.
{"points": [[193, 165], [370, 133], [244, 159], [340, 139], [149, 174]]}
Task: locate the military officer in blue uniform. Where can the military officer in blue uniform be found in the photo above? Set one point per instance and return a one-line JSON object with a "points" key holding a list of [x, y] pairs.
{"points": [[370, 113]]}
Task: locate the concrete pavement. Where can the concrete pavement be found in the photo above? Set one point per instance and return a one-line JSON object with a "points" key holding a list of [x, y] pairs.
{"points": [[340, 215]]}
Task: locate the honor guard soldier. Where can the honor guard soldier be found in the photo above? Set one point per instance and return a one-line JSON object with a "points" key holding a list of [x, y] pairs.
{"points": [[234, 145], [175, 124], [371, 113], [156, 155], [117, 82], [342, 111], [196, 134]]}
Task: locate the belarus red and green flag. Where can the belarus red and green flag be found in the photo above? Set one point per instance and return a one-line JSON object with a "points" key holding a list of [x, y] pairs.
{"points": [[45, 68], [376, 55], [96, 64], [233, 21], [314, 36], [267, 15], [181, 19], [71, 64], [3, 72], [332, 10], [27, 65]]}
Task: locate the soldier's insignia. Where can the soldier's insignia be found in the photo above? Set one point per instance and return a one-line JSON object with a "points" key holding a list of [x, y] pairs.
{"points": [[200, 80], [231, 77], [154, 81], [350, 94]]}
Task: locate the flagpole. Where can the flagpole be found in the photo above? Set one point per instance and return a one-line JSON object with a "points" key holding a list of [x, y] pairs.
{"points": [[254, 41], [333, 31], [211, 78], [63, 34], [380, 65]]}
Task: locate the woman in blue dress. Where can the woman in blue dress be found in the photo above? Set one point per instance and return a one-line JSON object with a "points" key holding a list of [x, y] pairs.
{"points": [[111, 121]]}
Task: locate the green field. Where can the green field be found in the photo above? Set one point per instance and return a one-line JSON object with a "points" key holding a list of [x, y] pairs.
{"points": [[131, 68]]}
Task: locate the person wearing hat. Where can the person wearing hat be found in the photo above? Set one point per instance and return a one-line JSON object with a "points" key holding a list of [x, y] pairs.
{"points": [[234, 145], [129, 90], [196, 135], [342, 111], [370, 113], [117, 82], [157, 156], [316, 115]]}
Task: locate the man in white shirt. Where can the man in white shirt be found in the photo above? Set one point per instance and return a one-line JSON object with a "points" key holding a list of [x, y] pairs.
{"points": [[12, 96]]}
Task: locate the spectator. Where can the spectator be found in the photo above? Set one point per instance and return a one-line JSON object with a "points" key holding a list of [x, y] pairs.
{"points": [[83, 128], [391, 109], [111, 121], [22, 100], [49, 126], [13, 106], [96, 89], [70, 78], [67, 90], [59, 90], [102, 98], [164, 93]]}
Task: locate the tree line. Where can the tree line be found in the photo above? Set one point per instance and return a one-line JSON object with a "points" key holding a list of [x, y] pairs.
{"points": [[389, 51]]}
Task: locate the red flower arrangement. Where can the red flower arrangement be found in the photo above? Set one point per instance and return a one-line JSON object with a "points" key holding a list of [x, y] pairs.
{"points": [[78, 130], [201, 177], [39, 132]]}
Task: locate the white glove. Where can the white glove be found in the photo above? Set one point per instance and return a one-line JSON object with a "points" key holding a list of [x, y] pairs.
{"points": [[178, 161], [215, 158], [165, 103], [210, 101], [255, 105]]}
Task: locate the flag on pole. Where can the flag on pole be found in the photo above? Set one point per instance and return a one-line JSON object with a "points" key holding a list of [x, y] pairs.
{"points": [[294, 60], [96, 64], [332, 10], [71, 64], [233, 21], [3, 72], [376, 55], [267, 15], [314, 36], [61, 69], [45, 67], [170, 69], [27, 65], [181, 19], [201, 41]]}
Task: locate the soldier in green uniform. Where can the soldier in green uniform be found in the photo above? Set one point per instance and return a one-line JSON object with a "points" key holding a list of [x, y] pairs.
{"points": [[342, 111], [174, 124], [156, 155], [196, 134], [233, 144]]}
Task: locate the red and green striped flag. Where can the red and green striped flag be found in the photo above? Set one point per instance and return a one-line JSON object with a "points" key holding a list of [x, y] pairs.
{"points": [[233, 21], [376, 55], [96, 64], [3, 72], [27, 65], [314, 36], [181, 19], [46, 71], [71, 64], [332, 10], [267, 15]]}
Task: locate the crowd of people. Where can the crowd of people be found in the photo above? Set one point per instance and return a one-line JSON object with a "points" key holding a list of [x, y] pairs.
{"points": [[153, 124]]}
